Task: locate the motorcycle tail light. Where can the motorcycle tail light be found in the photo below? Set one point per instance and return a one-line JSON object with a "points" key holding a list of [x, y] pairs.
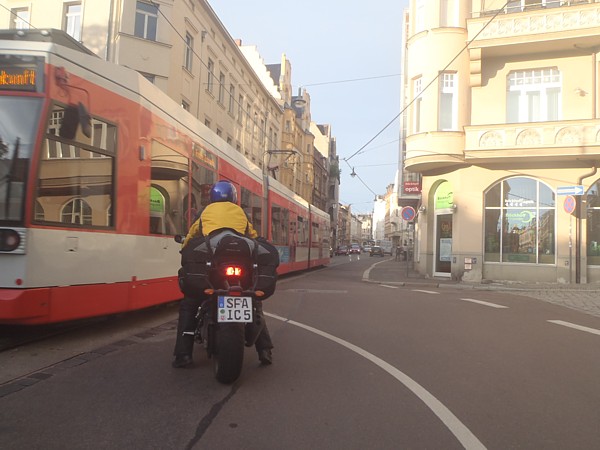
{"points": [[233, 271]]}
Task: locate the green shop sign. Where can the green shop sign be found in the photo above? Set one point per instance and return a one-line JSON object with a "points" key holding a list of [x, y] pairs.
{"points": [[444, 196], [157, 201]]}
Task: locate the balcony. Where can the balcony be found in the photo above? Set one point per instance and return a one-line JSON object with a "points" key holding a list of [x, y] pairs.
{"points": [[434, 150], [539, 27], [544, 141]]}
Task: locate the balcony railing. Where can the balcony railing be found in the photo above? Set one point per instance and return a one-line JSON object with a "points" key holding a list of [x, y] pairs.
{"points": [[543, 17], [553, 140]]}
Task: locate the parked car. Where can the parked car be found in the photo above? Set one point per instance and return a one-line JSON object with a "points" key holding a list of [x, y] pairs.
{"points": [[376, 251], [354, 248], [342, 250]]}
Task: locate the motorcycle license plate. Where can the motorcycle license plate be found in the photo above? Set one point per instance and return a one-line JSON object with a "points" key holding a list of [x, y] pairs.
{"points": [[234, 309]]}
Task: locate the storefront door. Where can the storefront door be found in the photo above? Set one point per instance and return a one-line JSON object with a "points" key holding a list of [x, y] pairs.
{"points": [[444, 207]]}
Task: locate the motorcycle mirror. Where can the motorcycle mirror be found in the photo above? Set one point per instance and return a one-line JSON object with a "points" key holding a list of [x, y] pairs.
{"points": [[179, 238]]}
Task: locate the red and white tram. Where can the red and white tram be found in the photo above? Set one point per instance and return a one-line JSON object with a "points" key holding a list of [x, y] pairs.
{"points": [[98, 170]]}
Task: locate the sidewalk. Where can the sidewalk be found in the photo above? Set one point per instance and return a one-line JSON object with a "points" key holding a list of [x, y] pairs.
{"points": [[583, 297]]}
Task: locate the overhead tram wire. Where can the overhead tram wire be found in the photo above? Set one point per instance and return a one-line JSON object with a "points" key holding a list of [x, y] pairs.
{"points": [[429, 84]]}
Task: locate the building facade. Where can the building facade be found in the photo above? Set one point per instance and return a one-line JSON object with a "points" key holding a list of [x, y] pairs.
{"points": [[182, 47], [506, 136]]}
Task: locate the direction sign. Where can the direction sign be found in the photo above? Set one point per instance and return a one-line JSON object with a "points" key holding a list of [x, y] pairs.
{"points": [[569, 190], [408, 213], [570, 204]]}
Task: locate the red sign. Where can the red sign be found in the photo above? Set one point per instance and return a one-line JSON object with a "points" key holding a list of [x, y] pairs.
{"points": [[570, 204], [412, 187]]}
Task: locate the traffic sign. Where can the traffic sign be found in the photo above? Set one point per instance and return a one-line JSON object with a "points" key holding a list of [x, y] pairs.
{"points": [[569, 190], [408, 213], [570, 204]]}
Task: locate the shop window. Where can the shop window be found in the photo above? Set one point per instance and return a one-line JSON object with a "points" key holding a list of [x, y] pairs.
{"points": [[593, 225], [519, 222]]}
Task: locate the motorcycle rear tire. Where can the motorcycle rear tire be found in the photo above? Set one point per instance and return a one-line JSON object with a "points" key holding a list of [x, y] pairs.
{"points": [[229, 356]]}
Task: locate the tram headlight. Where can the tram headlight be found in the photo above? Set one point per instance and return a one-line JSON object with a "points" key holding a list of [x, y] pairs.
{"points": [[9, 240]]}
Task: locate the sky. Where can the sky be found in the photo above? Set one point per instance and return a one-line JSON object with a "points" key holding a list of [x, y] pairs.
{"points": [[347, 55]]}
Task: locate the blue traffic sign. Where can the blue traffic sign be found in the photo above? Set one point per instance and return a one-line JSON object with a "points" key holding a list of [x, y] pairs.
{"points": [[408, 213], [569, 190]]}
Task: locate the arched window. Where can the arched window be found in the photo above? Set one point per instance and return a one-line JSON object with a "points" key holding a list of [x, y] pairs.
{"points": [[519, 222], [77, 211]]}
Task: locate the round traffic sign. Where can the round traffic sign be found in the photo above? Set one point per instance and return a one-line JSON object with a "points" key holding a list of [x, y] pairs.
{"points": [[408, 213], [570, 204]]}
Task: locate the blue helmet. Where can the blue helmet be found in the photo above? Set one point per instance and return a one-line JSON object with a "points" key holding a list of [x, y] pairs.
{"points": [[223, 191]]}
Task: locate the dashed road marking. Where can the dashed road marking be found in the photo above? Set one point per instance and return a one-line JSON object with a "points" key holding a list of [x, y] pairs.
{"points": [[481, 302], [576, 327], [388, 286], [454, 425], [425, 292]]}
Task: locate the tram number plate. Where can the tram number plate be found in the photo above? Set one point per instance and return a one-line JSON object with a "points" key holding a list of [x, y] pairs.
{"points": [[234, 309]]}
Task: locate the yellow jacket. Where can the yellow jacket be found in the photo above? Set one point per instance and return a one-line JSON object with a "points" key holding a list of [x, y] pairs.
{"points": [[221, 215]]}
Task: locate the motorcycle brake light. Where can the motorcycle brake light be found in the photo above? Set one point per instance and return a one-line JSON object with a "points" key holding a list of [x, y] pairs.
{"points": [[233, 271]]}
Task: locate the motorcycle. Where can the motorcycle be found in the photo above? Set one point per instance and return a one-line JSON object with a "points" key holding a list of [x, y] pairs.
{"points": [[230, 317]]}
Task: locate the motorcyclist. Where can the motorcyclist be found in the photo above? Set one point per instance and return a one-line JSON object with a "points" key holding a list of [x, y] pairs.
{"points": [[222, 212]]}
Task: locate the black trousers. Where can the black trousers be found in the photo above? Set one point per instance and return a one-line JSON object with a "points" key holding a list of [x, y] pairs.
{"points": [[184, 344]]}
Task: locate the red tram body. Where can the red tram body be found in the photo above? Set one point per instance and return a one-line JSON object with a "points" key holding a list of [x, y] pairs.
{"points": [[98, 170]]}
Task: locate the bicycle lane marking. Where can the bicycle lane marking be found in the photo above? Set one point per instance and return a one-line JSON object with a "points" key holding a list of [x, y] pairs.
{"points": [[454, 425]]}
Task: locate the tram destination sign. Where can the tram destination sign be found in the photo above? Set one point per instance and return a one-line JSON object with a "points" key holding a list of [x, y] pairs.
{"points": [[569, 190], [20, 73]]}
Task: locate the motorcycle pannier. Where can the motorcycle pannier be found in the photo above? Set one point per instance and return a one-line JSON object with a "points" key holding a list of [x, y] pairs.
{"points": [[193, 274]]}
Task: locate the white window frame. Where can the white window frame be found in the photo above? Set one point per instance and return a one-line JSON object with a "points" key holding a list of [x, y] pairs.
{"points": [[188, 57], [417, 90], [221, 98], [448, 103], [73, 19], [147, 17], [20, 18], [419, 15], [531, 94], [211, 76]]}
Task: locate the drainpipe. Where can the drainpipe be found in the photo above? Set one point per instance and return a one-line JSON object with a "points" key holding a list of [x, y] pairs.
{"points": [[578, 228]]}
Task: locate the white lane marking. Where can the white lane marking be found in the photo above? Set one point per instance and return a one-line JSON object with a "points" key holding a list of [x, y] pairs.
{"points": [[456, 427], [577, 327], [388, 286], [481, 302], [367, 272], [426, 292]]}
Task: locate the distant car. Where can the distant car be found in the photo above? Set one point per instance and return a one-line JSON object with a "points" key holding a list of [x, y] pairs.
{"points": [[367, 249], [354, 248], [342, 250], [376, 251]]}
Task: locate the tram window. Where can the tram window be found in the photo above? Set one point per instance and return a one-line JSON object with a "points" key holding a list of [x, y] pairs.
{"points": [[76, 178], [302, 231], [169, 188], [316, 235], [279, 225], [202, 180], [252, 206]]}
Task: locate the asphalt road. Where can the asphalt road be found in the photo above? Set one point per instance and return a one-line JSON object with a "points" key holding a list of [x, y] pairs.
{"points": [[356, 365]]}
